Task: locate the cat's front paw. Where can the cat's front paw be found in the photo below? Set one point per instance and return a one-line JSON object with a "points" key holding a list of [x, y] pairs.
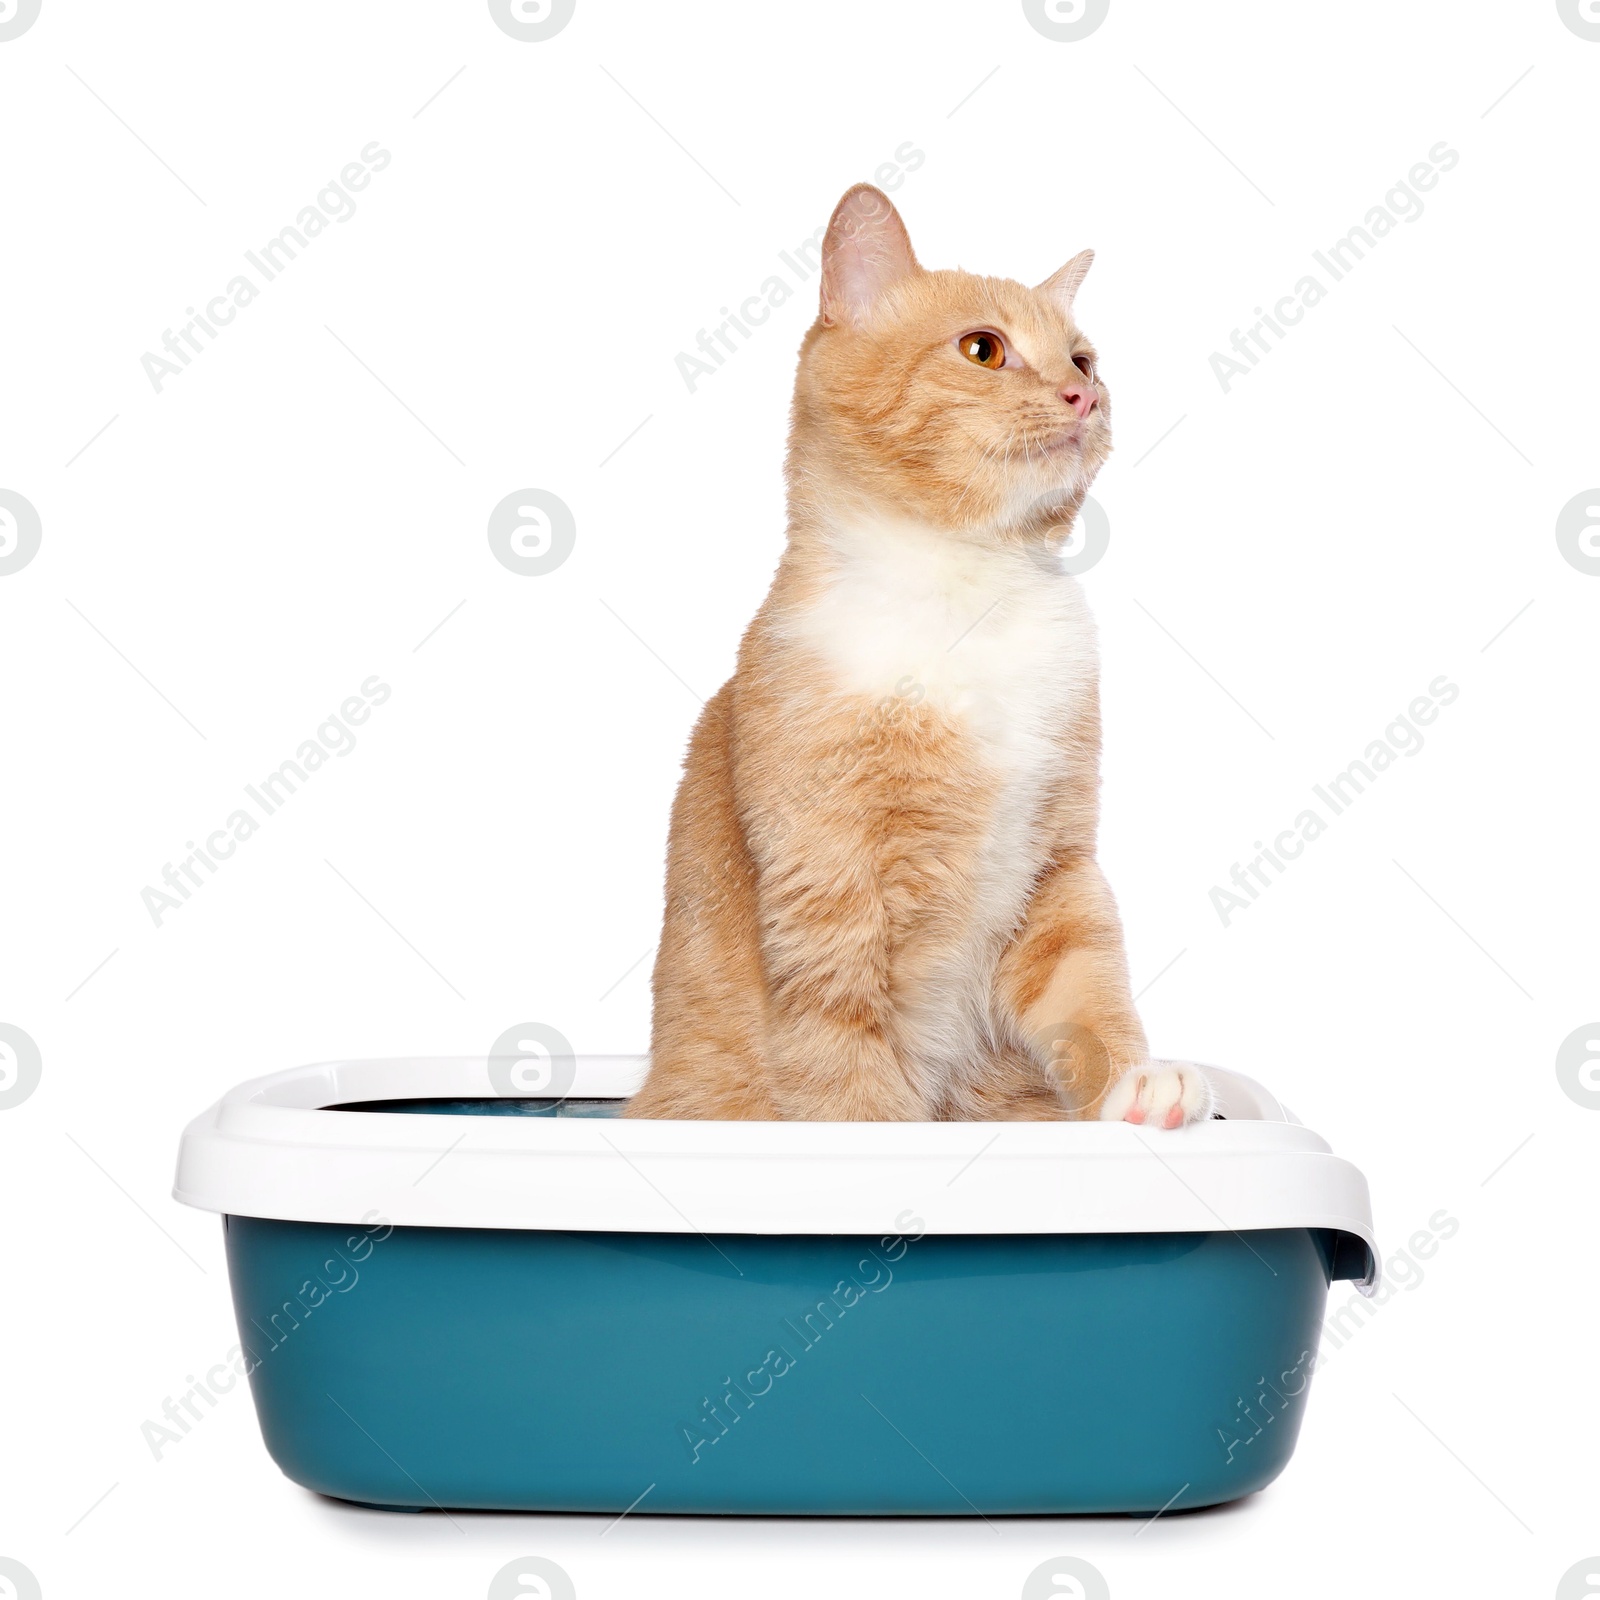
{"points": [[1164, 1094]]}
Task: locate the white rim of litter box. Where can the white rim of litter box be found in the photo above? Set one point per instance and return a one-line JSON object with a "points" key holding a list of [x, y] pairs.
{"points": [[269, 1149]]}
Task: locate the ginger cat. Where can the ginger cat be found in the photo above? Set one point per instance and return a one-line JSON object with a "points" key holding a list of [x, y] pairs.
{"points": [[882, 895]]}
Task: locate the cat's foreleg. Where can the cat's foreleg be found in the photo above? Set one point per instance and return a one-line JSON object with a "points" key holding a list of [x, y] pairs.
{"points": [[825, 948], [1063, 982]]}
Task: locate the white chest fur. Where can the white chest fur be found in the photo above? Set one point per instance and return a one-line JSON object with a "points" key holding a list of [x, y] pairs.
{"points": [[1002, 641], [998, 637]]}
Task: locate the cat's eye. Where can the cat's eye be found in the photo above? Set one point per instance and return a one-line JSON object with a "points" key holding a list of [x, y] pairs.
{"points": [[985, 349], [1084, 365]]}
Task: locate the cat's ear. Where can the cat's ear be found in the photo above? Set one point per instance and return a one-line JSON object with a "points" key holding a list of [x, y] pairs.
{"points": [[866, 249], [1062, 285]]}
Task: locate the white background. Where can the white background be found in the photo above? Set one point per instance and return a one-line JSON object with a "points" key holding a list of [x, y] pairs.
{"points": [[302, 507]]}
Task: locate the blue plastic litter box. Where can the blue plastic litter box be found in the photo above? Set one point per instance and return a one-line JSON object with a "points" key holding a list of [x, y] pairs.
{"points": [[451, 1296]]}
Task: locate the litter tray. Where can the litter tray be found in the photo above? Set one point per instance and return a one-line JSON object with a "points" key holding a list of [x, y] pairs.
{"points": [[450, 1298]]}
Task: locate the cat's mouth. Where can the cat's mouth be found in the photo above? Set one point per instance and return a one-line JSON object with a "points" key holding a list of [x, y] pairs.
{"points": [[1059, 443]]}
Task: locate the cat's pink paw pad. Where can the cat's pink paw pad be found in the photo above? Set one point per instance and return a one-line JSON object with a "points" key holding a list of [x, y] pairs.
{"points": [[1164, 1094]]}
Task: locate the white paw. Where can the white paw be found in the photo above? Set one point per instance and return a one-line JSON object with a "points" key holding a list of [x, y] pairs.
{"points": [[1163, 1094]]}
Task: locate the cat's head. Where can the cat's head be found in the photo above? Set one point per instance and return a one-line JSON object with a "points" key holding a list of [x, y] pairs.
{"points": [[972, 403]]}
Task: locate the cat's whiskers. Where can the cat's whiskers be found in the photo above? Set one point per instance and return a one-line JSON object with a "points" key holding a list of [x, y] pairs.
{"points": [[988, 453]]}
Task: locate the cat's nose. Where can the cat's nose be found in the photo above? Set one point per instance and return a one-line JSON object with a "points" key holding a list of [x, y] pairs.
{"points": [[1082, 397]]}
